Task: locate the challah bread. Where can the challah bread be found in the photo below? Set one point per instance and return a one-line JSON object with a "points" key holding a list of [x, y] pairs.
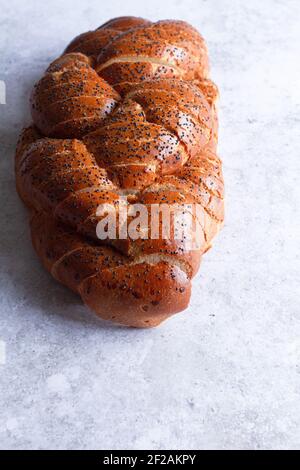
{"points": [[127, 111]]}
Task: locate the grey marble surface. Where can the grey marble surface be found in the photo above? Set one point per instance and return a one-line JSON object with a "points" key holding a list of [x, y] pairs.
{"points": [[226, 373]]}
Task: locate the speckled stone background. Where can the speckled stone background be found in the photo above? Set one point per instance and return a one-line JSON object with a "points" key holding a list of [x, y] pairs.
{"points": [[226, 373]]}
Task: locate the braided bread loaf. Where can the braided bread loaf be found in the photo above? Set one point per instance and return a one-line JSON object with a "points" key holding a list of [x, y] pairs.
{"points": [[128, 109]]}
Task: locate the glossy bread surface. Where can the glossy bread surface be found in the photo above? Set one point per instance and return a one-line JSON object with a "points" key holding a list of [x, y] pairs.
{"points": [[127, 109]]}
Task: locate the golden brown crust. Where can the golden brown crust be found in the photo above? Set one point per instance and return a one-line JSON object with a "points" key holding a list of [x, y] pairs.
{"points": [[128, 109], [71, 99], [139, 294], [123, 23], [91, 43], [170, 47]]}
